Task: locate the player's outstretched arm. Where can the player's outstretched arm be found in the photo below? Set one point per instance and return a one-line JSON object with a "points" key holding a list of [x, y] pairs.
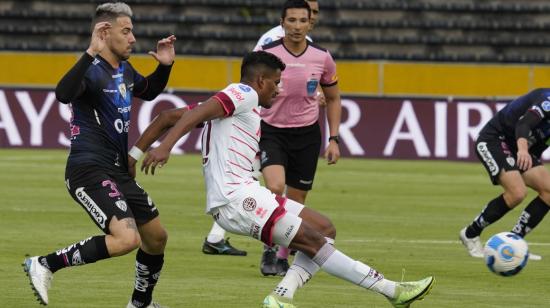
{"points": [[209, 110], [161, 123], [523, 129], [72, 84], [334, 114], [165, 53]]}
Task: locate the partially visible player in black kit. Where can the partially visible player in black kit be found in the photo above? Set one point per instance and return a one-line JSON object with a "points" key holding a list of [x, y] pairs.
{"points": [[100, 170], [510, 146]]}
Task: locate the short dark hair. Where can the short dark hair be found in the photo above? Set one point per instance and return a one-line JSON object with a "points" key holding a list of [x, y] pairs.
{"points": [[254, 62], [110, 11], [295, 4]]}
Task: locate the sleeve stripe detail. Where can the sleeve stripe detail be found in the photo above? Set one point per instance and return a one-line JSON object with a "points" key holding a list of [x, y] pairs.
{"points": [[226, 102], [329, 85]]}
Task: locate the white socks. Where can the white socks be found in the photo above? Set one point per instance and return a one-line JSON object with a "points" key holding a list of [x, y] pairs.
{"points": [[216, 234], [300, 272], [338, 264]]}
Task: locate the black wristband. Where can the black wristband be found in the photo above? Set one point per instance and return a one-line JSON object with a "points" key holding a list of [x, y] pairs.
{"points": [[335, 138]]}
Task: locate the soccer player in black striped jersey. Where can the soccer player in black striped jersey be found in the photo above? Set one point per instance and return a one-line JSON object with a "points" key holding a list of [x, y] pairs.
{"points": [[510, 147], [100, 171]]}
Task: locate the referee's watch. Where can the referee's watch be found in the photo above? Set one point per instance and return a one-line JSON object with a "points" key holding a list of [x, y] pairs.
{"points": [[335, 138]]}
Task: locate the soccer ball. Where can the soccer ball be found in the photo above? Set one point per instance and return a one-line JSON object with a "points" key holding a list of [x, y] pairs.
{"points": [[506, 253]]}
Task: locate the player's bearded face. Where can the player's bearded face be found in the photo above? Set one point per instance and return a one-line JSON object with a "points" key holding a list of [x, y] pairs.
{"points": [[121, 38], [296, 25]]}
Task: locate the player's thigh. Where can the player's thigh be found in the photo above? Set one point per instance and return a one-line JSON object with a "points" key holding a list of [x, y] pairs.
{"points": [[319, 222], [274, 178], [538, 178], [252, 212], [138, 200], [98, 194], [304, 150]]}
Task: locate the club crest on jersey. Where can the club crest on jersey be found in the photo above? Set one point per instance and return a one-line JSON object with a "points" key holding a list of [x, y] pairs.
{"points": [[249, 204], [545, 106], [122, 89]]}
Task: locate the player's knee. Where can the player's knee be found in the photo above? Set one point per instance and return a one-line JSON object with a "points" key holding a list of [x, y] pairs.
{"points": [[277, 188], [129, 242], [326, 227], [516, 196], [159, 240]]}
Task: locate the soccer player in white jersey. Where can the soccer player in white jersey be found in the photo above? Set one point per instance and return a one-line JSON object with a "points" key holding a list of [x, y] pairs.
{"points": [[240, 205], [215, 243]]}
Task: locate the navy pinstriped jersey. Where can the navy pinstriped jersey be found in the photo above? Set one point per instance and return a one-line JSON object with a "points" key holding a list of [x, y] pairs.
{"points": [[536, 101], [101, 115]]}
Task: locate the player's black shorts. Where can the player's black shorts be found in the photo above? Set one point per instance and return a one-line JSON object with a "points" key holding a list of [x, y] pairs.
{"points": [[498, 153], [296, 148], [104, 194]]}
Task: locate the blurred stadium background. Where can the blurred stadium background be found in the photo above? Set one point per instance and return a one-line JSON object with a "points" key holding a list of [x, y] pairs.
{"points": [[418, 80]]}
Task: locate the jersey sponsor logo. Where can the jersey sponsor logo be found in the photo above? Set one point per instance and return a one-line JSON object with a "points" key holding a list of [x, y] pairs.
{"points": [[295, 65], [121, 204], [244, 88], [91, 207], [236, 94], [546, 106], [487, 158], [125, 109], [249, 204], [267, 41], [109, 91], [116, 75]]}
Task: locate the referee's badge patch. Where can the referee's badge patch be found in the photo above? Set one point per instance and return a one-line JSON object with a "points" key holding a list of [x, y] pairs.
{"points": [[545, 106], [249, 204]]}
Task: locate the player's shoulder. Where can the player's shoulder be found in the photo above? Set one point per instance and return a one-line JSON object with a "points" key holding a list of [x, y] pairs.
{"points": [[318, 47], [272, 44], [240, 92]]}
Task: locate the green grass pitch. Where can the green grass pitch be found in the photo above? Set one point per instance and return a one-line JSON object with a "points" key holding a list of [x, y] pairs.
{"points": [[392, 215]]}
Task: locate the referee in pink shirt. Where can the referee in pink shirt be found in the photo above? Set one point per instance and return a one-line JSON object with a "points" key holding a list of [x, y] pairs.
{"points": [[290, 143]]}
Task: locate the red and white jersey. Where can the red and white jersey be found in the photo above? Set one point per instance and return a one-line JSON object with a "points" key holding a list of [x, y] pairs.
{"points": [[297, 104], [230, 144], [274, 34]]}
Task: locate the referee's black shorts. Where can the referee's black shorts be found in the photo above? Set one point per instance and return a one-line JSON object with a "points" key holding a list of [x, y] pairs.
{"points": [[297, 149]]}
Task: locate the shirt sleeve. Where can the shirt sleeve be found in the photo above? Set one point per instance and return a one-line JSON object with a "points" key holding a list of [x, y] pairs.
{"points": [[236, 99], [329, 77]]}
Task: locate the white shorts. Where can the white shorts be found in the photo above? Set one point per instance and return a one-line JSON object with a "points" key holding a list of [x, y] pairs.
{"points": [[253, 211]]}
